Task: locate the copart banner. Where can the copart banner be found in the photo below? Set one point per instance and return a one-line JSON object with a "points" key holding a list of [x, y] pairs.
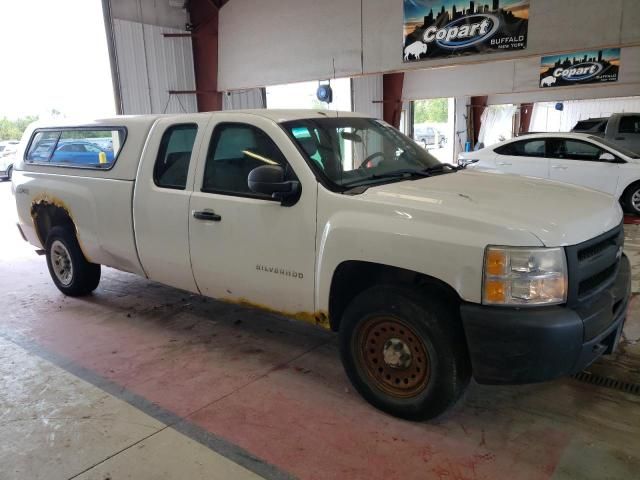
{"points": [[589, 66], [448, 28]]}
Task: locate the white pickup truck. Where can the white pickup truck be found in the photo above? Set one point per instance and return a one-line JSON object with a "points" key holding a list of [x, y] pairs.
{"points": [[431, 274], [621, 129]]}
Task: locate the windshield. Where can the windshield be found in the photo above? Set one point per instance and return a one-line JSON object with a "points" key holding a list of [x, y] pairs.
{"points": [[359, 151], [616, 147]]}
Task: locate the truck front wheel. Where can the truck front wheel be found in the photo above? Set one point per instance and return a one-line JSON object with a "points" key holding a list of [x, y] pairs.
{"points": [[403, 353], [71, 272]]}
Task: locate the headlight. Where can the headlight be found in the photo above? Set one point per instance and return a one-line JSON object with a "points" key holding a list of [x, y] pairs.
{"points": [[524, 276]]}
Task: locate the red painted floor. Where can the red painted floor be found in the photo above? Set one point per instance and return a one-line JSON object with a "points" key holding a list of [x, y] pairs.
{"points": [[632, 220], [277, 389]]}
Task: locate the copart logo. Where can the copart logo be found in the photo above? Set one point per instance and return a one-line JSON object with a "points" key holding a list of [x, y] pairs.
{"points": [[581, 71], [463, 32]]}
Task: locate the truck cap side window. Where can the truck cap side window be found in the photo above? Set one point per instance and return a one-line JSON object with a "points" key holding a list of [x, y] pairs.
{"points": [[235, 150], [42, 146], [76, 147], [174, 155]]}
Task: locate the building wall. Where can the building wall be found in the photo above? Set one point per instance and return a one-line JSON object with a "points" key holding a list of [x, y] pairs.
{"points": [[270, 42], [148, 65], [265, 42], [514, 81], [367, 95]]}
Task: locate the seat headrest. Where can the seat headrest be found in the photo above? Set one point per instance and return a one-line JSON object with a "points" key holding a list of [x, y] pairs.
{"points": [[308, 145]]}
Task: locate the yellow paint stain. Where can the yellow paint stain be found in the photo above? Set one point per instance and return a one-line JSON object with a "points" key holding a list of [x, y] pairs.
{"points": [[319, 318], [45, 199]]}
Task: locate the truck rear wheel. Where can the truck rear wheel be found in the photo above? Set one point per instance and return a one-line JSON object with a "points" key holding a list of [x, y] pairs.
{"points": [[403, 352], [71, 272]]}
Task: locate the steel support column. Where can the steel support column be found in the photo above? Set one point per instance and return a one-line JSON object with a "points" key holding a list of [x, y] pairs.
{"points": [[204, 18], [478, 105], [392, 84], [526, 111]]}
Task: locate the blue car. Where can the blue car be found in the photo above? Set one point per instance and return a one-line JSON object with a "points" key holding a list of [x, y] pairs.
{"points": [[80, 152]]}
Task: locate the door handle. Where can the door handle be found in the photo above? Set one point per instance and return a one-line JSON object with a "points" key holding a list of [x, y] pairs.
{"points": [[559, 167], [619, 138], [503, 164], [207, 215]]}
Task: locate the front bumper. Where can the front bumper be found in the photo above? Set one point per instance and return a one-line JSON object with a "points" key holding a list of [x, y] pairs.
{"points": [[527, 345]]}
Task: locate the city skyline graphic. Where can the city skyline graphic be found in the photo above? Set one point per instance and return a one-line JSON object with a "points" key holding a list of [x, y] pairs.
{"points": [[416, 10], [606, 56]]}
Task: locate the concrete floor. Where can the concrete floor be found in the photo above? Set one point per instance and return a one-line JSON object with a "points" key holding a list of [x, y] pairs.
{"points": [[142, 381]]}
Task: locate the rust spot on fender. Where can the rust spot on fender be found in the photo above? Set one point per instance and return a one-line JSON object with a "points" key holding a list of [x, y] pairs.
{"points": [[319, 318], [44, 199]]}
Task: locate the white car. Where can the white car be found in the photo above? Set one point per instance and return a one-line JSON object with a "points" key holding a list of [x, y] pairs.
{"points": [[576, 158], [7, 156]]}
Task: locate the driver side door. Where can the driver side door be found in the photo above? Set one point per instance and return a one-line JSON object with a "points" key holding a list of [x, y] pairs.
{"points": [[247, 247]]}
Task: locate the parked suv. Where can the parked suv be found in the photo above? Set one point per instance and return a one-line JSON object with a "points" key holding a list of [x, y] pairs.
{"points": [[428, 137]]}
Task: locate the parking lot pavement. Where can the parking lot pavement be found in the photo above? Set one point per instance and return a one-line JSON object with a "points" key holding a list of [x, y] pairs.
{"points": [[270, 396]]}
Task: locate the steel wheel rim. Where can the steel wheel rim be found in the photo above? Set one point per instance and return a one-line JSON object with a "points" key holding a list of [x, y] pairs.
{"points": [[635, 200], [61, 262], [393, 356]]}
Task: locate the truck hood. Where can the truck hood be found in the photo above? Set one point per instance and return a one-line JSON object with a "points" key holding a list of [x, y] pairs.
{"points": [[556, 213]]}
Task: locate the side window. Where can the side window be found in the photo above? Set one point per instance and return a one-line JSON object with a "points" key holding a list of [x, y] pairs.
{"points": [[577, 150], [533, 148], [308, 140], [172, 164], [630, 124], [235, 150], [42, 146], [76, 147], [523, 148]]}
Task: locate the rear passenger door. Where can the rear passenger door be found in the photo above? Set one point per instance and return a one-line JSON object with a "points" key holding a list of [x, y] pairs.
{"points": [[523, 157], [578, 162], [247, 247], [161, 200]]}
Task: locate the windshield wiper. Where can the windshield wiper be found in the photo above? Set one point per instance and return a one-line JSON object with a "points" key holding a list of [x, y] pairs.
{"points": [[441, 166], [405, 173], [402, 173]]}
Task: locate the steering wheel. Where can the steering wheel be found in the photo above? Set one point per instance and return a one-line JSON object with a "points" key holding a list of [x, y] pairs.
{"points": [[365, 164]]}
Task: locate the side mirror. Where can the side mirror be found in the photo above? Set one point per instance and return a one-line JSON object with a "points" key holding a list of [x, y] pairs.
{"points": [[269, 180], [608, 157]]}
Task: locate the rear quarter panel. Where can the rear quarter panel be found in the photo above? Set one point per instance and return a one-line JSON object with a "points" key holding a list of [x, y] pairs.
{"points": [[100, 209]]}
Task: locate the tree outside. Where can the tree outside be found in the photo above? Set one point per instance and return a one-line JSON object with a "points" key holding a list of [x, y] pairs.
{"points": [[431, 111], [13, 129]]}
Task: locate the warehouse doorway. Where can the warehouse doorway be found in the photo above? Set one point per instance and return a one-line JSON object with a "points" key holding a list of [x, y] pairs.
{"points": [[433, 126]]}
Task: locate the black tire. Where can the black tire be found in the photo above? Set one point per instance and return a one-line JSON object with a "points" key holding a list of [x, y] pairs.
{"points": [[83, 276], [627, 199], [435, 324], [9, 172]]}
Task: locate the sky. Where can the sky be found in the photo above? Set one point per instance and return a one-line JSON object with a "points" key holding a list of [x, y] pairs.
{"points": [[54, 56]]}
